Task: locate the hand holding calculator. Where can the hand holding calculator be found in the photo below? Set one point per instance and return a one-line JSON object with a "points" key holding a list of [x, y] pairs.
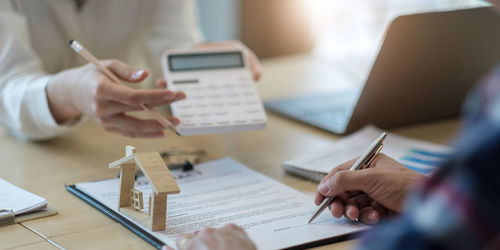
{"points": [[220, 92]]}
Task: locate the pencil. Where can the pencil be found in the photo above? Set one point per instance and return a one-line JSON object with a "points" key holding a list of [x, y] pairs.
{"points": [[76, 46]]}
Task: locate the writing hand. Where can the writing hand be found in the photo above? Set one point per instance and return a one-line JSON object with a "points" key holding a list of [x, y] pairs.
{"points": [[369, 194]]}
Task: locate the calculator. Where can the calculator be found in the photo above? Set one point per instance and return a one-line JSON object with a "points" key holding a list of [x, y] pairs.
{"points": [[221, 96]]}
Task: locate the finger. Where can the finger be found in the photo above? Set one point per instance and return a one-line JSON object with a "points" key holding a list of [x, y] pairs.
{"points": [[343, 181], [132, 124], [105, 108], [108, 108], [184, 240], [361, 200], [166, 247], [354, 204], [318, 197], [351, 212], [135, 97], [344, 166], [254, 65], [136, 135], [174, 120], [125, 72], [382, 211], [161, 83], [369, 215], [233, 228], [336, 208], [179, 96]]}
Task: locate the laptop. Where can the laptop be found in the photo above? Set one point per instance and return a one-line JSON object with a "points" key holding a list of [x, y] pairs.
{"points": [[424, 69]]}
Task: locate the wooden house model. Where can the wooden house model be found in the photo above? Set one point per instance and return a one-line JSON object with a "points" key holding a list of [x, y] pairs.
{"points": [[161, 180]]}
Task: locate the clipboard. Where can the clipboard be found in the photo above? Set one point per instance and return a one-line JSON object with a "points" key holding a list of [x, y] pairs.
{"points": [[155, 242], [92, 193], [9, 219]]}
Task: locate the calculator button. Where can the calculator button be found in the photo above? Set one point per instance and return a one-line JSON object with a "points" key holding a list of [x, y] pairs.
{"points": [[254, 111], [231, 94], [188, 125], [240, 121], [235, 103], [248, 94], [229, 86], [206, 123], [186, 115], [219, 102], [257, 120]]}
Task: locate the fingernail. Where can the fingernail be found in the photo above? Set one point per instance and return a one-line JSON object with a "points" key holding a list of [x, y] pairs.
{"points": [[323, 188], [372, 216], [179, 96], [137, 74], [350, 214], [168, 96]]}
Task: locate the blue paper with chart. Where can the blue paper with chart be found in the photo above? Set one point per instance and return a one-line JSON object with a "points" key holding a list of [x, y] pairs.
{"points": [[418, 155], [220, 92]]}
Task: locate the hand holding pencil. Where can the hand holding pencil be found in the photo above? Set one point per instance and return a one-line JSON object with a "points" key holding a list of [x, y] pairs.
{"points": [[95, 90]]}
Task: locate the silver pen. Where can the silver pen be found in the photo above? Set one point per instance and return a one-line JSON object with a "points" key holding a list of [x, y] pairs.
{"points": [[363, 161]]}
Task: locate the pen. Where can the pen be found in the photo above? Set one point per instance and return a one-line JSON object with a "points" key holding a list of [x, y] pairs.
{"points": [[76, 46], [363, 161]]}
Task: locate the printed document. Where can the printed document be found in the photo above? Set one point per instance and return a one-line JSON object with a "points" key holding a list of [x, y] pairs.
{"points": [[225, 191]]}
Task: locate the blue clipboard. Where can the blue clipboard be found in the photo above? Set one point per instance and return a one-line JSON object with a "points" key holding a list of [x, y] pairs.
{"points": [[158, 244]]}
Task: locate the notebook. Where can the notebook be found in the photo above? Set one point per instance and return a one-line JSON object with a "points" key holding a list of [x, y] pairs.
{"points": [[18, 205], [225, 191], [418, 155], [19, 200]]}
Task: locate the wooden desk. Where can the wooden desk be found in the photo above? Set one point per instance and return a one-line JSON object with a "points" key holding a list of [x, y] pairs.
{"points": [[83, 155]]}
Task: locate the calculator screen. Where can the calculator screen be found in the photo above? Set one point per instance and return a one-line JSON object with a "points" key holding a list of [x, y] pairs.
{"points": [[205, 61]]}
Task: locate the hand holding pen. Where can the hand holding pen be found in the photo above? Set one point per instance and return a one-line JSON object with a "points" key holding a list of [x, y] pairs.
{"points": [[369, 194]]}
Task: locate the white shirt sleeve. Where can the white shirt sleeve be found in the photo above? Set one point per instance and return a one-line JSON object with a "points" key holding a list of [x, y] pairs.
{"points": [[24, 108]]}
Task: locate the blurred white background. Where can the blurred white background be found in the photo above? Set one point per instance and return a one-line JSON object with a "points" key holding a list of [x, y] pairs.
{"points": [[339, 27]]}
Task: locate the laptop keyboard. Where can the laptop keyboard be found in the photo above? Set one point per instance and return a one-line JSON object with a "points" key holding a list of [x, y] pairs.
{"points": [[330, 112]]}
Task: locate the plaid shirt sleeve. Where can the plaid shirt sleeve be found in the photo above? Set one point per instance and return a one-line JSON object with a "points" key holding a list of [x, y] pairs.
{"points": [[459, 206]]}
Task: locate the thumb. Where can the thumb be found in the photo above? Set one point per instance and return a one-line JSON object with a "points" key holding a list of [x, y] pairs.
{"points": [[126, 72], [343, 181]]}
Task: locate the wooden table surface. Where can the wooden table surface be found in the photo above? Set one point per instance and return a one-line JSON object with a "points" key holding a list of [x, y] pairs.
{"points": [[83, 154]]}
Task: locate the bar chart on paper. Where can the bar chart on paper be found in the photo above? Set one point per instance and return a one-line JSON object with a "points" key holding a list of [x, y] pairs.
{"points": [[421, 156], [423, 161]]}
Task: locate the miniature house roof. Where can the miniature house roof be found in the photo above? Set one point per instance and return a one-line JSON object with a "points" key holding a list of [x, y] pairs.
{"points": [[154, 168]]}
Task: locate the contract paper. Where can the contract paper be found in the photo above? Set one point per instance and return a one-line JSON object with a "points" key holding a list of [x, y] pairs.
{"points": [[225, 191]]}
